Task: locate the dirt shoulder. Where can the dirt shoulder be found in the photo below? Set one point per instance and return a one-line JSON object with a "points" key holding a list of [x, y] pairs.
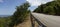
{"points": [[27, 23]]}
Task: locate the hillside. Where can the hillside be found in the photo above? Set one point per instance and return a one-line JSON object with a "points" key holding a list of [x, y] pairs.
{"points": [[52, 8]]}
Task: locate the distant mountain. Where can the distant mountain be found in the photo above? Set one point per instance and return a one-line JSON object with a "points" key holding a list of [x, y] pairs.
{"points": [[4, 15]]}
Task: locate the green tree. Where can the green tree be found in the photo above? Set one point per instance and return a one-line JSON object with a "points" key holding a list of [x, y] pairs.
{"points": [[20, 14], [57, 9], [39, 9], [49, 10], [52, 7]]}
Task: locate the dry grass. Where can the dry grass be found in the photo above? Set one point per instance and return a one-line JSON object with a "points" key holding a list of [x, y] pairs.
{"points": [[27, 23], [36, 24]]}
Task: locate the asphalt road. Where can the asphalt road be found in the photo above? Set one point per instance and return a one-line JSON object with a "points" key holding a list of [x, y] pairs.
{"points": [[48, 20]]}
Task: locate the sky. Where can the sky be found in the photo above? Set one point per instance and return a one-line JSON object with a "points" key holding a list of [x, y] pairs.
{"points": [[7, 7]]}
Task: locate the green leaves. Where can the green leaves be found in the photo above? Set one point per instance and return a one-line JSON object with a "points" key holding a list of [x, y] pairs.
{"points": [[4, 21], [49, 8], [20, 14]]}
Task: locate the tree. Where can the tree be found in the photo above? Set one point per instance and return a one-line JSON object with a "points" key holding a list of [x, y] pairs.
{"points": [[20, 14], [57, 9], [52, 7], [39, 9], [49, 10]]}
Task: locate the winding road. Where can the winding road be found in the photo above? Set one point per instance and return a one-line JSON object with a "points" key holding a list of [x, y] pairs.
{"points": [[48, 20]]}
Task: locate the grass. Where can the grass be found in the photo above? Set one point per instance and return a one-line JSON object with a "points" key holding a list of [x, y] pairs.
{"points": [[4, 21]]}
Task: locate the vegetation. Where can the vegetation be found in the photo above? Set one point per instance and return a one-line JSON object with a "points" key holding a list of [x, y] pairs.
{"points": [[20, 14], [4, 21], [18, 17], [52, 8]]}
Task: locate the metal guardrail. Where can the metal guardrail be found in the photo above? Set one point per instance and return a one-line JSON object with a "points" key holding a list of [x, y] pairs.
{"points": [[33, 19]]}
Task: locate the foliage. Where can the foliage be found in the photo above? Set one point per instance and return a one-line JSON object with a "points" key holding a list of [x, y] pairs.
{"points": [[49, 8], [4, 21], [20, 14]]}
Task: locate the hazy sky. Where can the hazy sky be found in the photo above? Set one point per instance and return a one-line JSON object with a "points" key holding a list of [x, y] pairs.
{"points": [[7, 7]]}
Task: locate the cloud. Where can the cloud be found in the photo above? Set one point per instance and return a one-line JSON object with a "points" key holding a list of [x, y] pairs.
{"points": [[1, 0], [38, 2]]}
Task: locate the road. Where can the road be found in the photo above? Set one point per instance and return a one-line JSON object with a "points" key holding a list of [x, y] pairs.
{"points": [[48, 20]]}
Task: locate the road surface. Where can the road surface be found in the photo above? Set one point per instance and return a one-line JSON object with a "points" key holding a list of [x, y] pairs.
{"points": [[48, 20]]}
